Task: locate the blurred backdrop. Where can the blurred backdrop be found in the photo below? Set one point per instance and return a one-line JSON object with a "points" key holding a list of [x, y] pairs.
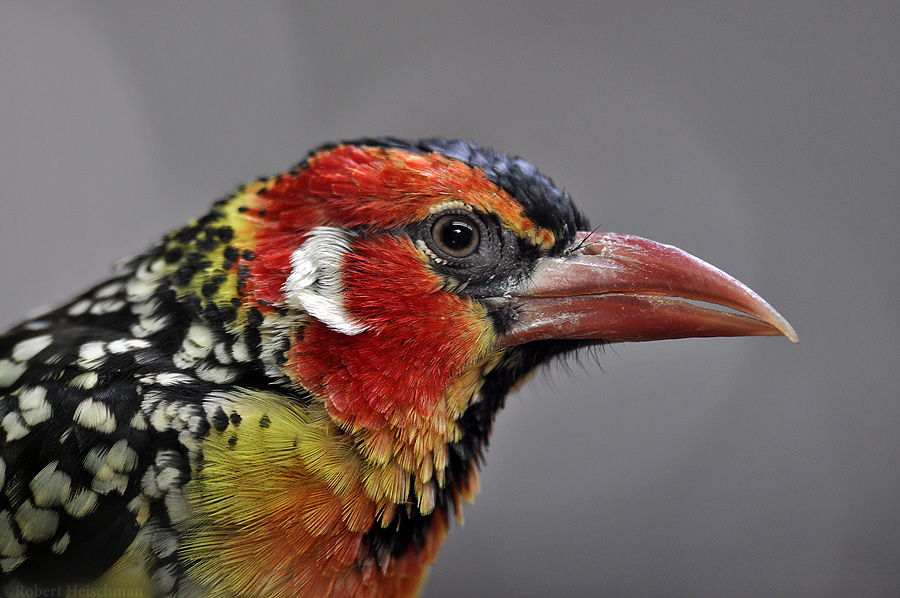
{"points": [[762, 137]]}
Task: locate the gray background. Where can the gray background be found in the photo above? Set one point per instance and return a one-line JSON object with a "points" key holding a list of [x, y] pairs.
{"points": [[763, 137]]}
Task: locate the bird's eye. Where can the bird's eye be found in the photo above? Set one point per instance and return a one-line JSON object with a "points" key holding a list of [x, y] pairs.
{"points": [[467, 243], [457, 235]]}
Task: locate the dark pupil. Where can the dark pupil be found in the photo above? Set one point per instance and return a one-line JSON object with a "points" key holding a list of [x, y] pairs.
{"points": [[457, 236]]}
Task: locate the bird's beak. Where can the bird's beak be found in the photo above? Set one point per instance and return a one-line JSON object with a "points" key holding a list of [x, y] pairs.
{"points": [[624, 288]]}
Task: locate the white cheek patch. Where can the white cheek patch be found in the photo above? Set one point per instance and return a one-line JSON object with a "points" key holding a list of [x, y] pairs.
{"points": [[315, 281]]}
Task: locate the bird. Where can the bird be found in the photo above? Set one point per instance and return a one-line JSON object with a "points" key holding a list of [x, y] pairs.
{"points": [[292, 394]]}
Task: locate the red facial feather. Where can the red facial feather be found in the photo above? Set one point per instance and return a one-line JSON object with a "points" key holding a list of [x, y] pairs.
{"points": [[389, 288]]}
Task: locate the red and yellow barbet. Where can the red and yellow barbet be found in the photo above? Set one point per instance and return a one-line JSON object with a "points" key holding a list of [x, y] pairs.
{"points": [[290, 396]]}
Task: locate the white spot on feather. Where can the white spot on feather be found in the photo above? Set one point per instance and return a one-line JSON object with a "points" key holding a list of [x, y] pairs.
{"points": [[167, 379], [167, 479], [222, 354], [106, 478], [198, 343], [150, 324], [79, 307], [35, 416], [201, 336], [240, 351], [106, 307], [104, 485], [138, 288], [60, 545], [125, 345], [140, 506], [9, 565], [217, 375], [138, 422], [25, 350], [36, 525], [50, 487], [14, 426], [9, 545], [95, 415], [149, 486], [32, 397], [85, 381], [95, 459], [122, 458], [109, 289], [160, 419], [82, 503], [35, 408], [91, 354], [314, 284], [65, 435], [10, 372]]}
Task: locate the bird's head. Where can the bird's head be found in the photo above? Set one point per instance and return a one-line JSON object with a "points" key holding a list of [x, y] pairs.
{"points": [[412, 284]]}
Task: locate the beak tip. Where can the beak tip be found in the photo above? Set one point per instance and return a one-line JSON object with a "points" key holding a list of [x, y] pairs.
{"points": [[791, 334], [777, 321]]}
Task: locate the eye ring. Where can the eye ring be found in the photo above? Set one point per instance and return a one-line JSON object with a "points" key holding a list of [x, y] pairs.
{"points": [[458, 235]]}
